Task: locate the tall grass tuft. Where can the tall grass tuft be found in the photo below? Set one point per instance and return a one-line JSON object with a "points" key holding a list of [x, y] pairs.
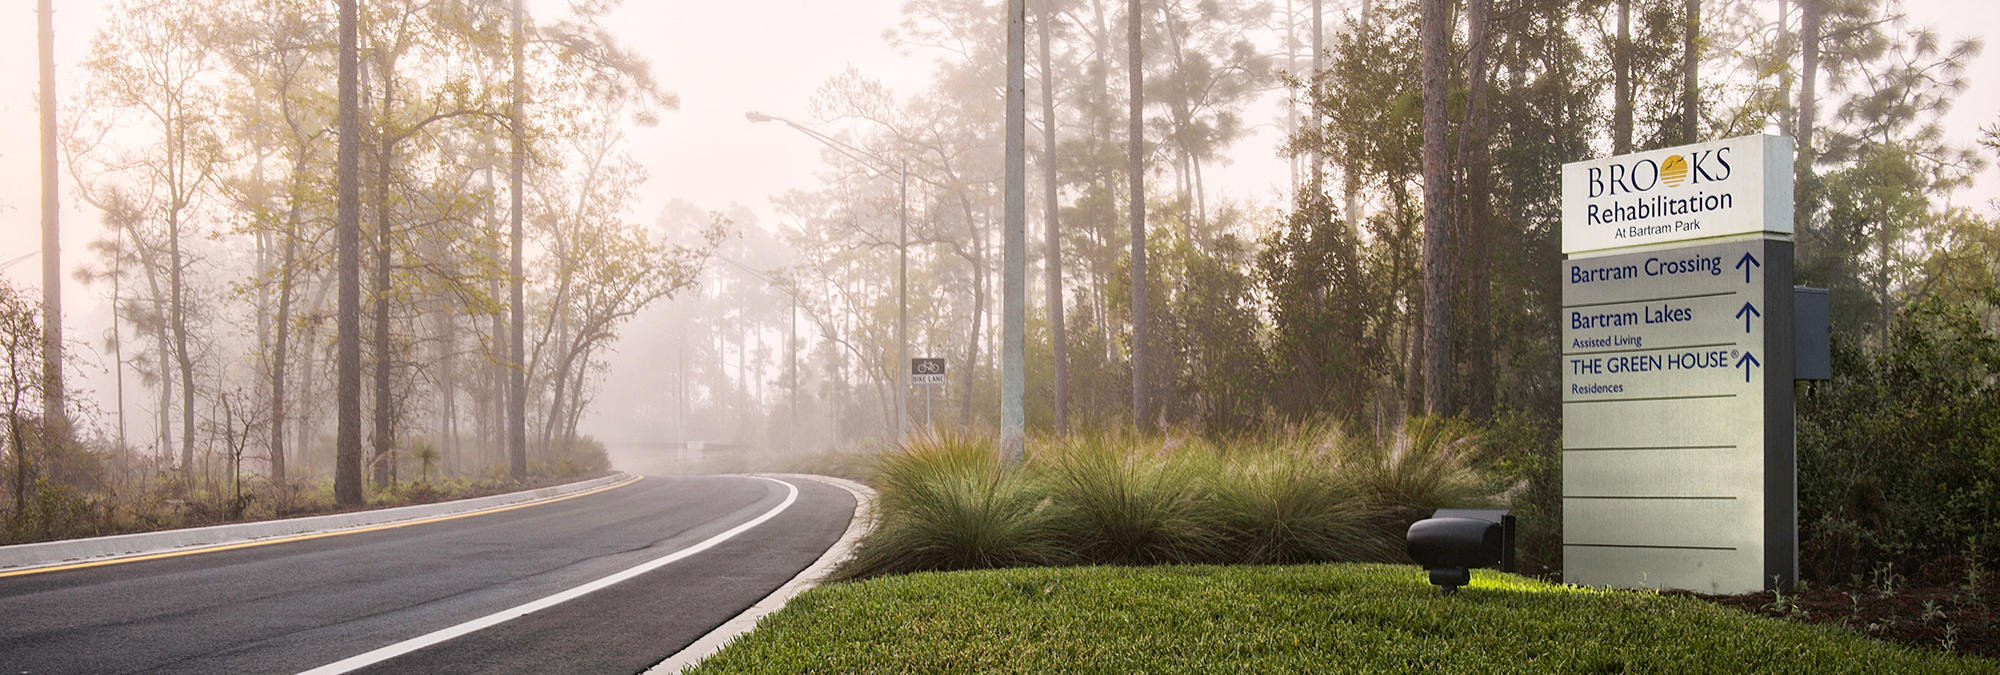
{"points": [[1430, 463], [1118, 501], [1287, 502], [1115, 498], [945, 503]]}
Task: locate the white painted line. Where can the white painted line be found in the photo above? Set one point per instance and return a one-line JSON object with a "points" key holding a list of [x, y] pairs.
{"points": [[503, 616], [857, 527]]}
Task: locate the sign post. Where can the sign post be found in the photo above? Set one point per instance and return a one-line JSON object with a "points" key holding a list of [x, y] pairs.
{"points": [[1679, 468], [927, 372]]}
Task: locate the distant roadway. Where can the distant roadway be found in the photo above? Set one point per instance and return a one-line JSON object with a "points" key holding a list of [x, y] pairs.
{"points": [[296, 606]]}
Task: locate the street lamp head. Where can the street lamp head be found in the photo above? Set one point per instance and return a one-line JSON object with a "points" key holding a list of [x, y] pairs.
{"points": [[755, 116]]}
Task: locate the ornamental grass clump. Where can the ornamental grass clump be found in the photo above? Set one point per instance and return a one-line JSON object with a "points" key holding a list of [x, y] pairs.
{"points": [[945, 503], [1125, 501], [1307, 495], [1429, 464], [1288, 502]]}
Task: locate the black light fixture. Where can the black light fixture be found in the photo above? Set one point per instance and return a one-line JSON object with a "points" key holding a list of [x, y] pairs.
{"points": [[1453, 541]]}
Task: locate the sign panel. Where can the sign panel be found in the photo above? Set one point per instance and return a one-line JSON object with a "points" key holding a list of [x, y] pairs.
{"points": [[926, 371], [1677, 418], [1714, 189]]}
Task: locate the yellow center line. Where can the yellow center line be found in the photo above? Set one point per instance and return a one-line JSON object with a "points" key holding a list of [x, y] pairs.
{"points": [[316, 535]]}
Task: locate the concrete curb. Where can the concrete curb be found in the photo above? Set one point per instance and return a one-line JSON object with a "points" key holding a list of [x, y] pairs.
{"points": [[707, 645], [22, 557]]}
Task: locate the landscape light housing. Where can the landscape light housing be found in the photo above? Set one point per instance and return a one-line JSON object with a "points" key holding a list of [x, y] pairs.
{"points": [[1453, 541]]}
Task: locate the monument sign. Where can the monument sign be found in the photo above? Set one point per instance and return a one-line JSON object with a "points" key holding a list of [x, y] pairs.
{"points": [[1678, 462]]}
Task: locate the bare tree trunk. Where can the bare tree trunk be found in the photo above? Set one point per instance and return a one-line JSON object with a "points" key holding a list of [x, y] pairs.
{"points": [[1812, 16], [347, 225], [118, 340], [978, 312], [385, 433], [308, 368], [1437, 213], [1312, 115], [1785, 109], [1476, 221], [448, 387], [1353, 178], [1690, 91], [1136, 142], [517, 388], [55, 421], [1013, 355], [281, 349], [1052, 208], [1621, 79], [177, 308]]}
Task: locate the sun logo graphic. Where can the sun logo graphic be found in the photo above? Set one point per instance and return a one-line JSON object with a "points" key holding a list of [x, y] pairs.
{"points": [[1673, 171]]}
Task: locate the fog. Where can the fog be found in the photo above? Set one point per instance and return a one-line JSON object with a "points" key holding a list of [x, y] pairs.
{"points": [[705, 378]]}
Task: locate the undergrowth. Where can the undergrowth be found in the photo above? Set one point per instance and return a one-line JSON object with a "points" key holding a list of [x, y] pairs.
{"points": [[1310, 495]]}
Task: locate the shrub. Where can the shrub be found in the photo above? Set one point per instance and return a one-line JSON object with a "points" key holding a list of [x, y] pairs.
{"points": [[1288, 504], [1117, 503], [1899, 455], [945, 503], [1431, 463], [1309, 495], [1526, 451]]}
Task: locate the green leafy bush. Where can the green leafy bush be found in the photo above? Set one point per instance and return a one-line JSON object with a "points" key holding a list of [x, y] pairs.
{"points": [[1899, 456]]}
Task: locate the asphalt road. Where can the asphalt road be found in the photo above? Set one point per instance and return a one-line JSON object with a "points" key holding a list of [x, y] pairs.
{"points": [[295, 606]]}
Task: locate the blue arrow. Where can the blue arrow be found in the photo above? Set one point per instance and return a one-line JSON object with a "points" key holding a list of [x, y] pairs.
{"points": [[1747, 259], [1752, 360], [1745, 314]]}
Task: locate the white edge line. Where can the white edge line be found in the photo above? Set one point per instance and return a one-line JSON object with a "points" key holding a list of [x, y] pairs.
{"points": [[392, 651], [707, 645]]}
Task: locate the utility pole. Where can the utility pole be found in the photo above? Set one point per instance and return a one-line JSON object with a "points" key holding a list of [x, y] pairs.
{"points": [[1013, 330]]}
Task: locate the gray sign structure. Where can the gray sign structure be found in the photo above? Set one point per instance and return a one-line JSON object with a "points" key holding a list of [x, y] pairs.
{"points": [[1678, 460], [927, 371]]}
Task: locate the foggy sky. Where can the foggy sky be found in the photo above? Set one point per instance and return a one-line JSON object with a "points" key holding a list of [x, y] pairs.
{"points": [[722, 59]]}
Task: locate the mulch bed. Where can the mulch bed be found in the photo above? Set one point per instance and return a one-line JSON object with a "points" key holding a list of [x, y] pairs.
{"points": [[1929, 614]]}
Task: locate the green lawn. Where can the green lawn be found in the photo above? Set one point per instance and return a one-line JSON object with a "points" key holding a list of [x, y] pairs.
{"points": [[1298, 619]]}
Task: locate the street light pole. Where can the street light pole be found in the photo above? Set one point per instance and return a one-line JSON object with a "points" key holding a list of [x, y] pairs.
{"points": [[877, 164]]}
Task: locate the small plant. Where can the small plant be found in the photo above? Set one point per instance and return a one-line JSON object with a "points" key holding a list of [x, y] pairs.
{"points": [[1949, 642], [1786, 605], [1886, 579], [427, 458], [1975, 572]]}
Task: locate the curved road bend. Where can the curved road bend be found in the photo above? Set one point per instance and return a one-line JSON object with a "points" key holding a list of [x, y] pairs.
{"points": [[295, 606]]}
